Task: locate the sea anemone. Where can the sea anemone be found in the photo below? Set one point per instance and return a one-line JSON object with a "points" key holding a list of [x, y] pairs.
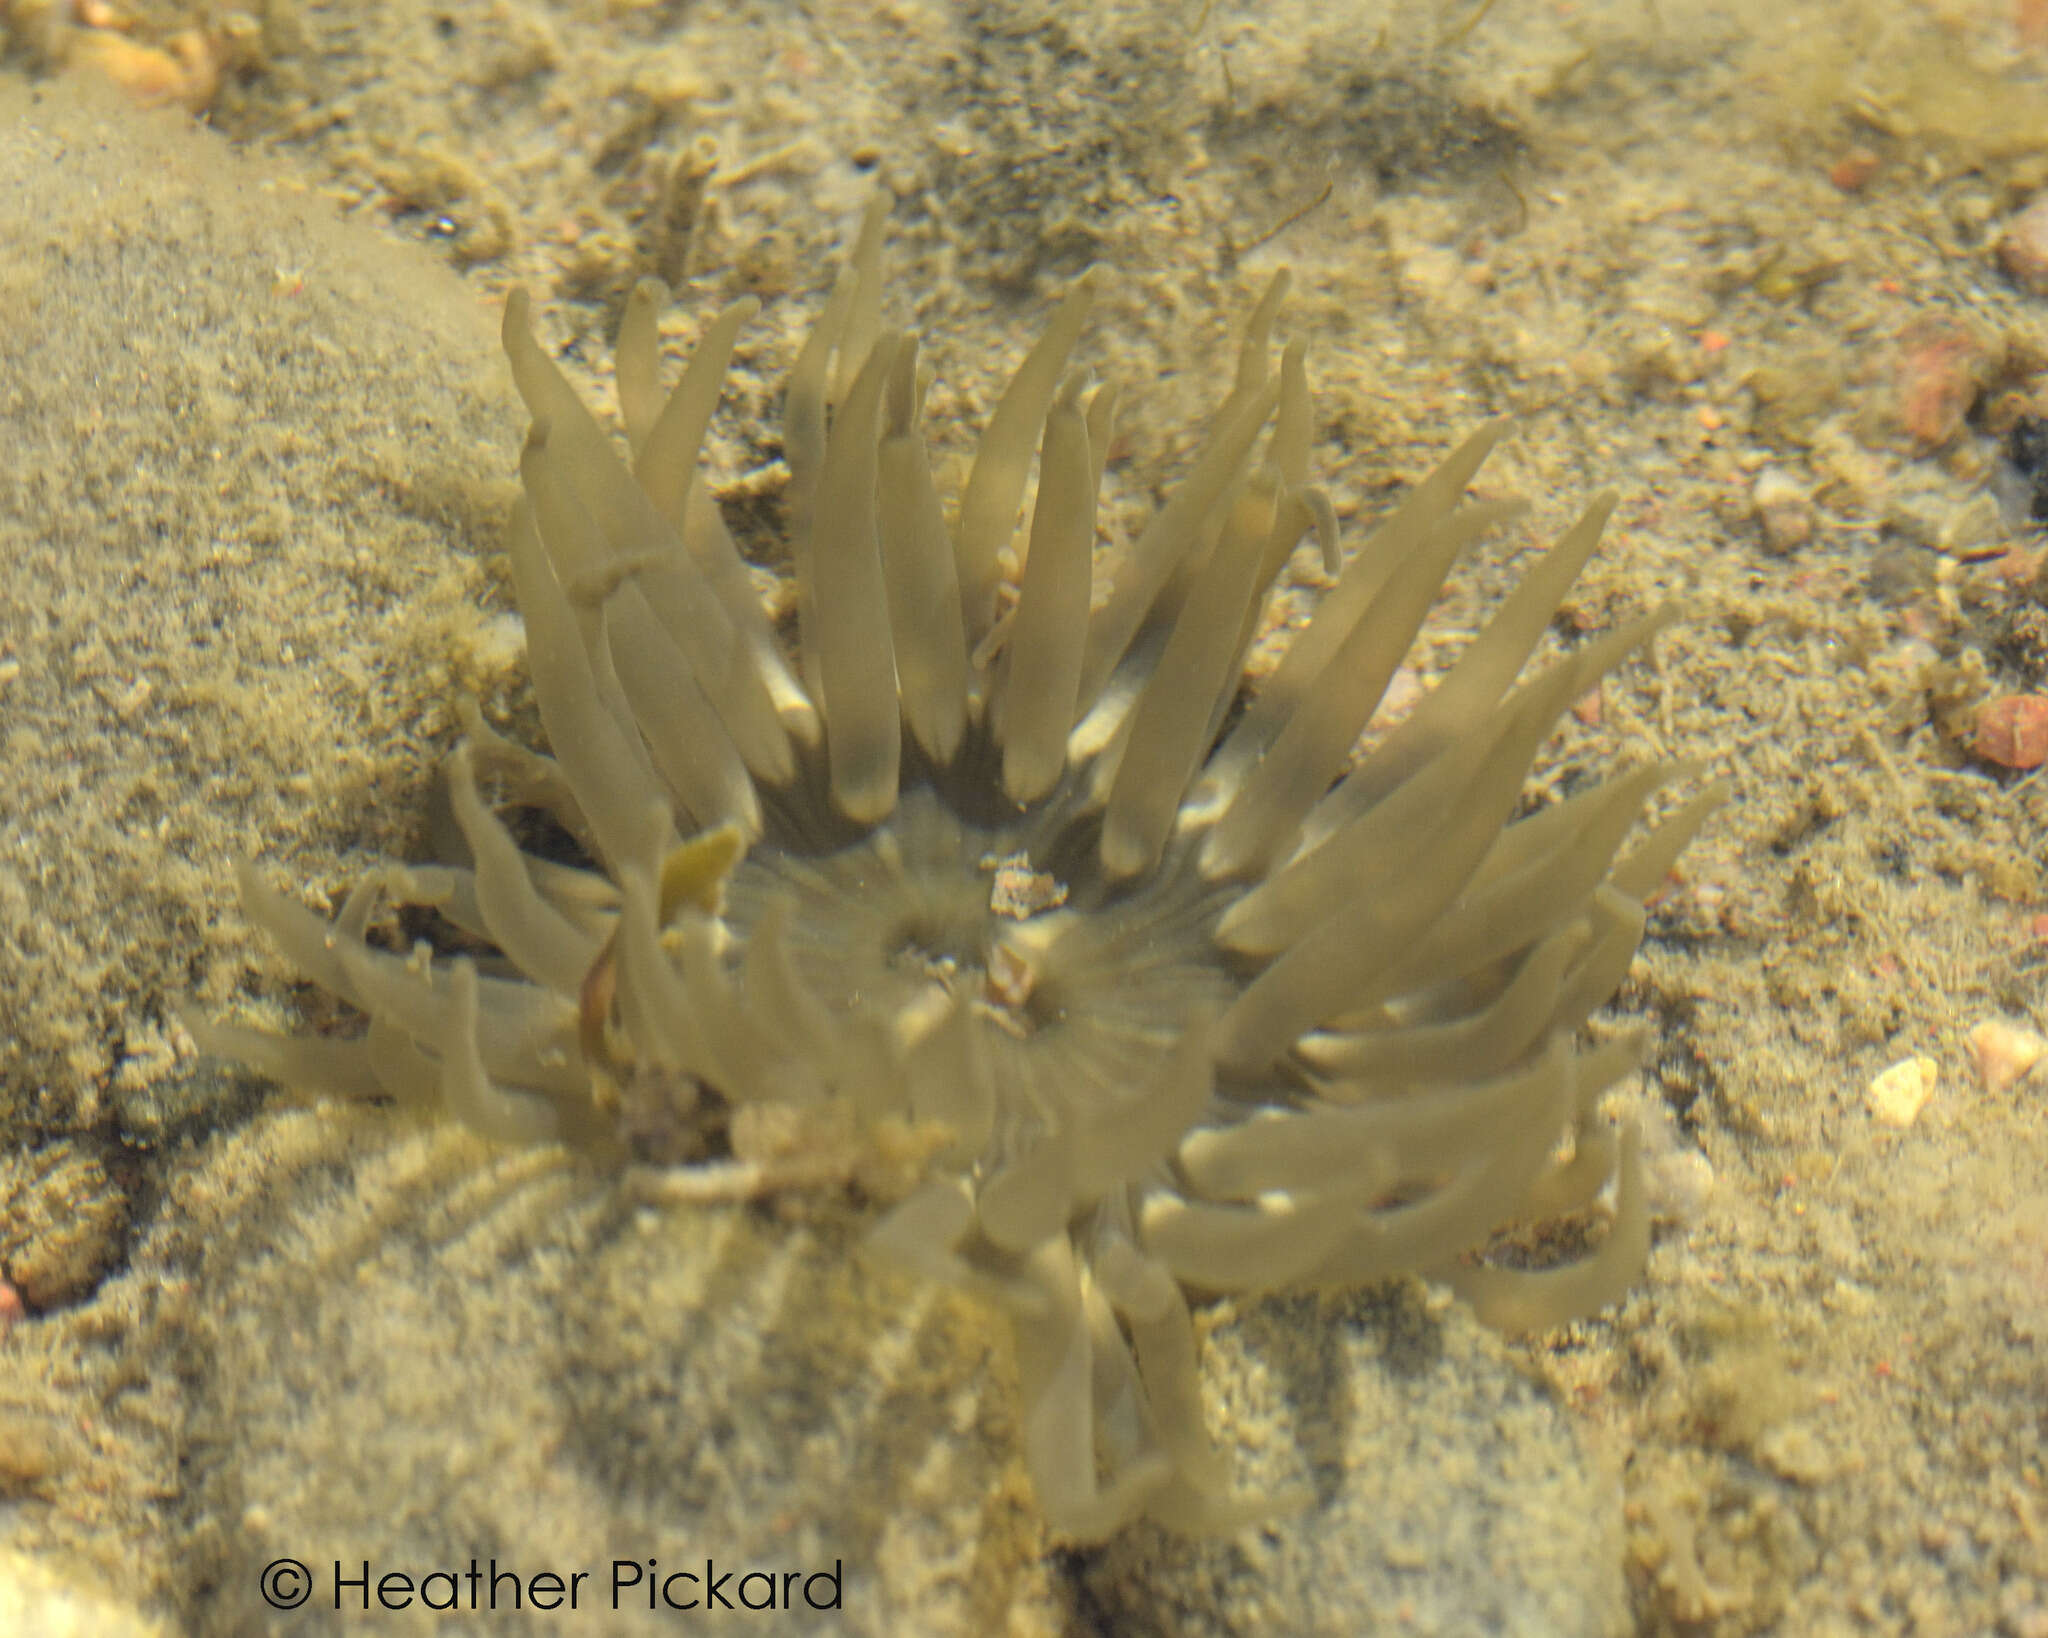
{"points": [[1198, 999]]}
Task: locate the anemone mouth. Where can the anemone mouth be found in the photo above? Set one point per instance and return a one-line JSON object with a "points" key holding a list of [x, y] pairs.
{"points": [[1072, 985], [1199, 1000]]}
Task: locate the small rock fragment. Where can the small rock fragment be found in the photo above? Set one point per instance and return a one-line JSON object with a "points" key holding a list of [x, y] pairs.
{"points": [[1796, 1451], [1854, 169], [186, 69], [2023, 248], [2012, 731], [63, 1220], [2003, 1053], [1678, 1180], [1942, 368], [1784, 510], [1896, 1097], [2026, 452]]}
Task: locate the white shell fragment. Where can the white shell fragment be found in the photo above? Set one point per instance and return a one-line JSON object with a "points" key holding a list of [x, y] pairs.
{"points": [[1896, 1096]]}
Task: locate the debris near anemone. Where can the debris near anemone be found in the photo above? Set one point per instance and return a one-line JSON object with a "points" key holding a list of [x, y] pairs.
{"points": [[1197, 1004]]}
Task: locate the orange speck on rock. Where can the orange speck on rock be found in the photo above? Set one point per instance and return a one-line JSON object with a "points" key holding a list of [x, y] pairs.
{"points": [[1713, 341], [2012, 731], [1853, 169]]}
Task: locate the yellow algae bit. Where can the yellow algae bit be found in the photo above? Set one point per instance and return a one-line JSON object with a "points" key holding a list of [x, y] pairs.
{"points": [[693, 876]]}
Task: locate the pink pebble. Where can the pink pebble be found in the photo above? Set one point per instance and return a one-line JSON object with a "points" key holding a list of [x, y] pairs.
{"points": [[2023, 248]]}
